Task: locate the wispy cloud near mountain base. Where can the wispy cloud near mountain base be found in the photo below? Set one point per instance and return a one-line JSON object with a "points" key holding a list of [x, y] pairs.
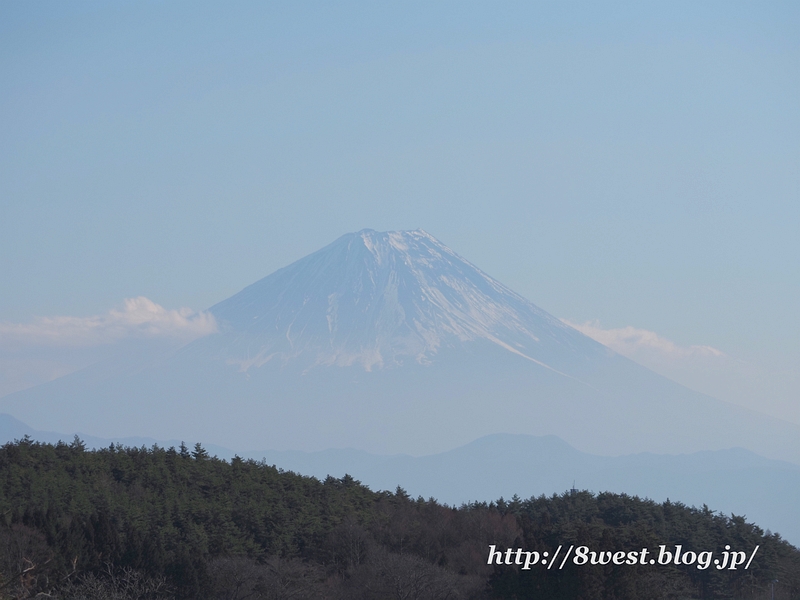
{"points": [[49, 347], [703, 368]]}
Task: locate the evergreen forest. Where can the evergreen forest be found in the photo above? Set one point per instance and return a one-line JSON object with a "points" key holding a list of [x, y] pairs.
{"points": [[155, 523]]}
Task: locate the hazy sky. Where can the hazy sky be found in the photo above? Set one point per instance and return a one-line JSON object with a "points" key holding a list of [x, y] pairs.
{"points": [[631, 167]]}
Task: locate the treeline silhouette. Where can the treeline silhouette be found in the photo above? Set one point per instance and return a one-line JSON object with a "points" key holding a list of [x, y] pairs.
{"points": [[149, 523]]}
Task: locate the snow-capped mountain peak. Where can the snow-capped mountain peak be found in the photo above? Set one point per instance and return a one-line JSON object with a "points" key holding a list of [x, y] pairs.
{"points": [[379, 299], [391, 342]]}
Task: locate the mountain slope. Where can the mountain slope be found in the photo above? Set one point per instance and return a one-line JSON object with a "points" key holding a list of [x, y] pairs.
{"points": [[391, 342]]}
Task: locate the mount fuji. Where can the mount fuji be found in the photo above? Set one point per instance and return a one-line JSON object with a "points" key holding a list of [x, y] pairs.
{"points": [[391, 342]]}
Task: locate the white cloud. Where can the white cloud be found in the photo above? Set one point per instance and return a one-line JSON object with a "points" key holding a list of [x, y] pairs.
{"points": [[137, 318], [761, 387], [699, 367], [632, 342]]}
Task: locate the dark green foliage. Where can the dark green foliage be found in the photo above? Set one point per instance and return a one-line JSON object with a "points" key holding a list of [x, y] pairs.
{"points": [[156, 523], [618, 522]]}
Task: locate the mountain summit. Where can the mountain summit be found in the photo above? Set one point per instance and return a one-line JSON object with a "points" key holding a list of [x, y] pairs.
{"points": [[382, 300], [391, 342]]}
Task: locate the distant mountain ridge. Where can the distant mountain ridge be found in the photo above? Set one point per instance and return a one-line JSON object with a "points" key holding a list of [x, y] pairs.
{"points": [[732, 481], [392, 343], [504, 465]]}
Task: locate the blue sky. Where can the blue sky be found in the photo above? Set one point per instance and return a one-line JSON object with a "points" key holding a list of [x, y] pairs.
{"points": [[622, 165]]}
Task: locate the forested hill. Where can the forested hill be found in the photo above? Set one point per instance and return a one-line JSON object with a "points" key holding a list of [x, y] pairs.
{"points": [[172, 523]]}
